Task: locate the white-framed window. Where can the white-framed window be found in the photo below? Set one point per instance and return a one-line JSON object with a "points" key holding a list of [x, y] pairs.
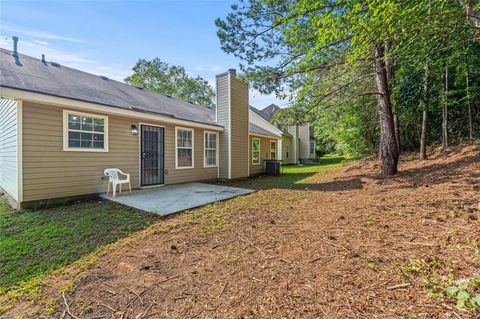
{"points": [[255, 151], [210, 145], [273, 150], [85, 132], [184, 147]]}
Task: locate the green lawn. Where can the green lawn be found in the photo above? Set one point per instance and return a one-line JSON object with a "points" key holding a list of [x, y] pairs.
{"points": [[35, 242], [294, 176]]}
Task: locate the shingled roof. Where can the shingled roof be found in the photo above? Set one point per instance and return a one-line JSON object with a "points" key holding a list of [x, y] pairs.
{"points": [[260, 113], [31, 74], [255, 129], [270, 111]]}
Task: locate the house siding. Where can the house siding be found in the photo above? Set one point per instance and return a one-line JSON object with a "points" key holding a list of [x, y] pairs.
{"points": [[239, 129], [9, 179], [223, 116], [256, 169], [232, 113], [198, 172], [304, 136], [287, 147], [294, 142], [50, 172]]}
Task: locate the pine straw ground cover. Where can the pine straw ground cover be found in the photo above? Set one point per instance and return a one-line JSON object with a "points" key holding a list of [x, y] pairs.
{"points": [[337, 244]]}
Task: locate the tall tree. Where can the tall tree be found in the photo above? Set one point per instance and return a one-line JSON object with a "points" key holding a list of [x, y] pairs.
{"points": [[424, 107], [309, 40], [445, 112], [173, 80], [335, 59], [436, 33]]}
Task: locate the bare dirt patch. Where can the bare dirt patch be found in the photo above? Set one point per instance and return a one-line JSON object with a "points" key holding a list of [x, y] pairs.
{"points": [[341, 244]]}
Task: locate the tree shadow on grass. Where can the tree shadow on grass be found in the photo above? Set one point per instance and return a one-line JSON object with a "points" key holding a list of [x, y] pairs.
{"points": [[32, 243], [298, 178], [296, 182]]}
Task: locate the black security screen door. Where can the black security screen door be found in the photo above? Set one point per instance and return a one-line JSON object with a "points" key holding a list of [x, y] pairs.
{"points": [[152, 155]]}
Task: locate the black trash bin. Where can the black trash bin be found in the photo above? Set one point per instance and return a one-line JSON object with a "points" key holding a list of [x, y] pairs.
{"points": [[272, 167]]}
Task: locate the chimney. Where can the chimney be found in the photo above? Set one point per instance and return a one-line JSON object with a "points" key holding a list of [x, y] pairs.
{"points": [[15, 44], [232, 112], [43, 59]]}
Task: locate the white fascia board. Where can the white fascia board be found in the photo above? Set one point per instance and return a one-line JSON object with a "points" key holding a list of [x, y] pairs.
{"points": [[271, 137]]}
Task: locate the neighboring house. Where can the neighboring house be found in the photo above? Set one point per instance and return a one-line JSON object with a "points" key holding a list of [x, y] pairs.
{"points": [[61, 127], [298, 143]]}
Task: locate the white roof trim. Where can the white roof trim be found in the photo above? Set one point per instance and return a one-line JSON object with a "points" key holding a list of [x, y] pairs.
{"points": [[266, 136]]}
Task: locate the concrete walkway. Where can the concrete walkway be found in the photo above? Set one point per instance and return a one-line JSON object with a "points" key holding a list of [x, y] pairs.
{"points": [[175, 198]]}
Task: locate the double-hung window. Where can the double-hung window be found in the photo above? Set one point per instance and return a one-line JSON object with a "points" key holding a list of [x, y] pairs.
{"points": [[255, 151], [312, 148], [211, 157], [273, 150], [184, 147], [85, 132]]}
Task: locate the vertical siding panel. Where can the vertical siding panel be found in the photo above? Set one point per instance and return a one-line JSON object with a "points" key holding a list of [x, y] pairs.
{"points": [[223, 116], [304, 141], [9, 147], [287, 146]]}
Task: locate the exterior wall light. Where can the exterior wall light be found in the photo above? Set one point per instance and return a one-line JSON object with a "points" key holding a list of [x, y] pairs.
{"points": [[134, 130]]}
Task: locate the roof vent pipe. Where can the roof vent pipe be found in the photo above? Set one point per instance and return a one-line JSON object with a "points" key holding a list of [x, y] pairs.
{"points": [[43, 59], [15, 44]]}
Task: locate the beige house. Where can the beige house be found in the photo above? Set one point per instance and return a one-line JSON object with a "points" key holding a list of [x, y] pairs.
{"points": [[61, 127], [298, 144]]}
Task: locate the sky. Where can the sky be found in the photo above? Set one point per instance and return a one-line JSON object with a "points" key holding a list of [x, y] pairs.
{"points": [[108, 37]]}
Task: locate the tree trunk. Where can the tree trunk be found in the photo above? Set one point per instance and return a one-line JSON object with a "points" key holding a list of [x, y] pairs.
{"points": [[389, 71], [423, 136], [389, 66], [389, 151], [379, 154], [469, 101], [445, 113], [396, 128]]}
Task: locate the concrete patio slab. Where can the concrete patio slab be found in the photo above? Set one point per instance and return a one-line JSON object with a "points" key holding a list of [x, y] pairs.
{"points": [[171, 199]]}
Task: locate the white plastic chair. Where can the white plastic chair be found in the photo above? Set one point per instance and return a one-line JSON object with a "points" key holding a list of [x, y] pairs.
{"points": [[114, 179]]}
